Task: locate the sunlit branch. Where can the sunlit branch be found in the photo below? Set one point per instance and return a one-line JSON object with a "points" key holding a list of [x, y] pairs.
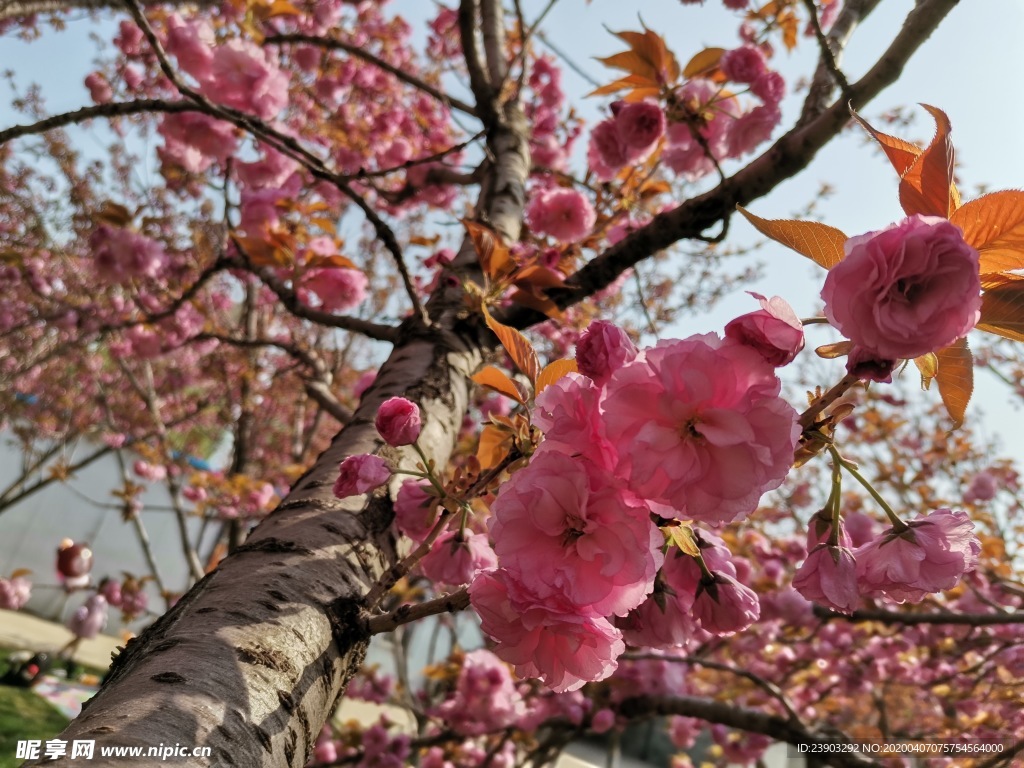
{"points": [[453, 603], [111, 109], [942, 617]]}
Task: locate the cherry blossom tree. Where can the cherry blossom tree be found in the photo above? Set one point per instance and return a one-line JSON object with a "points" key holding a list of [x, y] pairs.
{"points": [[380, 269]]}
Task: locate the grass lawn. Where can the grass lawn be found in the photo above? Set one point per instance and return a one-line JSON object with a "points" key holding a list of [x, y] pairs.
{"points": [[23, 715]]}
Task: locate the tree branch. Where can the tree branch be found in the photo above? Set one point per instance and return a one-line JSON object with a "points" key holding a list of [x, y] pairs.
{"points": [[750, 720], [942, 617]]}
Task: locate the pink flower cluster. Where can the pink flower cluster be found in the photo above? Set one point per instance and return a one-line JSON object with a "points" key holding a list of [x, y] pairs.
{"points": [[716, 125], [626, 138], [904, 291], [929, 555], [690, 428], [120, 254], [14, 592]]}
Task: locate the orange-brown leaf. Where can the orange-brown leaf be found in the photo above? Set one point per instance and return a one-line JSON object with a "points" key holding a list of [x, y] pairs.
{"points": [[927, 186], [1002, 308], [337, 261], [832, 351], [790, 27], [113, 213], [927, 365], [495, 379], [703, 63], [495, 258], [955, 377], [494, 446], [819, 242], [542, 304], [994, 224], [553, 372], [624, 83], [634, 63], [518, 347], [652, 56], [901, 154], [541, 277]]}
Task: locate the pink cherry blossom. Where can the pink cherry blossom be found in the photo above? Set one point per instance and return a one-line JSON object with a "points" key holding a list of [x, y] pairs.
{"points": [[339, 289], [360, 474], [744, 64], [120, 254], [241, 76], [456, 558], [547, 638], [906, 290], [564, 214], [602, 349], [774, 331], [568, 413], [99, 89], [770, 87], [89, 619], [14, 593], [723, 605], [639, 124], [698, 425], [415, 509], [983, 487], [929, 556], [485, 699], [192, 44], [564, 528], [606, 153], [828, 576], [752, 129], [664, 619], [398, 421], [195, 142]]}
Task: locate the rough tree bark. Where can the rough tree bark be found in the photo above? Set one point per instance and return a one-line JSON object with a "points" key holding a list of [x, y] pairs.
{"points": [[253, 659]]}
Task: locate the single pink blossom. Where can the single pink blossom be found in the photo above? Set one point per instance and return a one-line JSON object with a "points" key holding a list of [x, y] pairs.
{"points": [[89, 619], [456, 558], [548, 638], [564, 214], [120, 254], [398, 421], [699, 425], [723, 605], [770, 87], [602, 721], [565, 529], [192, 44], [983, 487], [906, 290], [339, 289], [241, 76], [415, 509], [829, 576], [752, 129], [99, 89], [774, 331], [607, 154], [744, 64], [929, 556], [602, 349], [639, 124], [568, 413], [14, 592], [360, 474]]}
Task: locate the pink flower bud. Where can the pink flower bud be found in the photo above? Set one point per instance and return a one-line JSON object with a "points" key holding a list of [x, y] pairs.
{"points": [[90, 618], [724, 606], [828, 576], [360, 474], [15, 592], [398, 421], [603, 349], [774, 330]]}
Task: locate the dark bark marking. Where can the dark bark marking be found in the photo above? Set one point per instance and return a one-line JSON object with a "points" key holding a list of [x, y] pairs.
{"points": [[165, 645], [207, 609], [287, 702], [264, 739], [270, 606], [332, 529], [278, 595], [168, 677], [273, 544], [101, 729], [265, 657], [224, 733]]}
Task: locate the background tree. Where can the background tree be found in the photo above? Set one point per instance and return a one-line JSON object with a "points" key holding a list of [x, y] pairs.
{"points": [[295, 267]]}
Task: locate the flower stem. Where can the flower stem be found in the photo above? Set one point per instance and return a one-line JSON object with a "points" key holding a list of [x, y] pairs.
{"points": [[897, 524]]}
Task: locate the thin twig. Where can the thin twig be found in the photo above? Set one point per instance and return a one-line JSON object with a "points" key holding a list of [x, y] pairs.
{"points": [[386, 622]]}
